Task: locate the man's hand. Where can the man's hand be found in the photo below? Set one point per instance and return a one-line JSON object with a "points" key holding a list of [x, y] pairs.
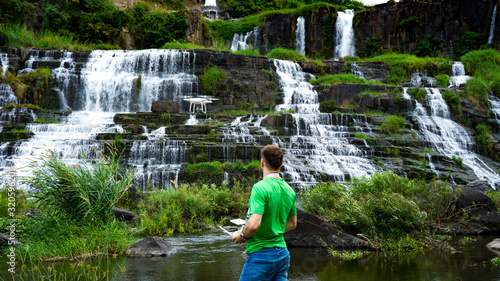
{"points": [[237, 238]]}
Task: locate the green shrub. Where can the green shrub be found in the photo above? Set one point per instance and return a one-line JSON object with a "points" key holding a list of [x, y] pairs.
{"points": [[443, 80], [213, 81], [372, 46], [484, 139], [286, 54], [418, 93], [476, 91], [248, 52], [459, 161], [495, 196], [454, 101], [342, 78], [392, 124], [328, 106], [189, 208], [80, 192], [182, 46], [470, 41]]}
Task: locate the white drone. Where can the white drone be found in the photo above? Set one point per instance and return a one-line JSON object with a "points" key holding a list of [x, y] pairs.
{"points": [[201, 102]]}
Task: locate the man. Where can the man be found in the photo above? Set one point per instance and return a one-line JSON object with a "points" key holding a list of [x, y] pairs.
{"points": [[272, 212]]}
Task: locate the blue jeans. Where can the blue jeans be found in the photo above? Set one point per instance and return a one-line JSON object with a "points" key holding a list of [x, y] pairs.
{"points": [[267, 264]]}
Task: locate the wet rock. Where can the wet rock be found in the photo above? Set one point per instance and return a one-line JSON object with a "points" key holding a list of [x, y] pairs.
{"points": [[494, 245], [165, 107], [312, 232], [151, 247], [479, 185], [124, 215]]}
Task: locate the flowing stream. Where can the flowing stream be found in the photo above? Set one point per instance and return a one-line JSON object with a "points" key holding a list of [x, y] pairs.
{"points": [[492, 26], [300, 36], [243, 41], [458, 77]]}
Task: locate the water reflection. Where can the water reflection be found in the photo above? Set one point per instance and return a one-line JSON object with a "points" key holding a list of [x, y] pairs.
{"points": [[211, 256]]}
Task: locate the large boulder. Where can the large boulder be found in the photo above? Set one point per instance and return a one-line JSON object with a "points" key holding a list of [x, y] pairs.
{"points": [[165, 107], [313, 232], [151, 247], [124, 215]]}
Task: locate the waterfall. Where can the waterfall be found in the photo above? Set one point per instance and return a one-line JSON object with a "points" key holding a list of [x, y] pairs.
{"points": [[4, 60], [127, 81], [40, 57], [492, 26], [192, 120], [344, 36], [6, 95], [318, 143], [357, 70], [419, 79], [458, 76], [495, 107], [448, 138], [243, 41], [300, 36]]}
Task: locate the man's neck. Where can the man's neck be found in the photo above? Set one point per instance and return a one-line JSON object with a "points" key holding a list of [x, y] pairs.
{"points": [[266, 172]]}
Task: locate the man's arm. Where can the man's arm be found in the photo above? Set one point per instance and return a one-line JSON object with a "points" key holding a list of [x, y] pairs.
{"points": [[291, 223], [249, 229]]}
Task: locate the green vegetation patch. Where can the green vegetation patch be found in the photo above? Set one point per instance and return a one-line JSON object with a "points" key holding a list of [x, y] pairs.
{"points": [[342, 78], [484, 65], [392, 124], [403, 66], [442, 80], [213, 81], [182, 46], [418, 94], [286, 54]]}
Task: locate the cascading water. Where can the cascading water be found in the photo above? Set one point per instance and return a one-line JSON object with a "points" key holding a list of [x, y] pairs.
{"points": [[4, 60], [344, 36], [318, 142], [6, 95], [458, 76], [243, 41], [300, 36], [448, 138], [239, 132], [419, 79], [495, 107], [109, 83], [357, 70], [492, 26]]}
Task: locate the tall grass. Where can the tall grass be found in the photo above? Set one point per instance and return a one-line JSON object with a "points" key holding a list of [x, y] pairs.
{"points": [[20, 36], [82, 192], [342, 78], [392, 124], [286, 54], [484, 65], [182, 46]]}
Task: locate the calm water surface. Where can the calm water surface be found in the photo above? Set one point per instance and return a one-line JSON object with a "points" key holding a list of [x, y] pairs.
{"points": [[211, 256]]}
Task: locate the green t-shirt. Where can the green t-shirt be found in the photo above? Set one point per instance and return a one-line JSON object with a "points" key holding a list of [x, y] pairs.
{"points": [[274, 199]]}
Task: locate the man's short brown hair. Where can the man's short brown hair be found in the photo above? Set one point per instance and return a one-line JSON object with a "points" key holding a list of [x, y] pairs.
{"points": [[273, 156]]}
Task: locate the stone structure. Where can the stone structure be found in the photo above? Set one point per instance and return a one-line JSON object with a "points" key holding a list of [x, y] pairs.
{"points": [[211, 11]]}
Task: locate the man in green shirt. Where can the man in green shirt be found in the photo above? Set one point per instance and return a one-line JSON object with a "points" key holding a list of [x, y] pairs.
{"points": [[272, 212]]}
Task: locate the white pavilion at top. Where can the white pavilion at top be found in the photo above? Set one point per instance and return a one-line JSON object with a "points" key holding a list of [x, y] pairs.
{"points": [[211, 11]]}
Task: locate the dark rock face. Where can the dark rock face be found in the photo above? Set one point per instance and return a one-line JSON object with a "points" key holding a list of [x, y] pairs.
{"points": [[313, 232], [165, 107], [151, 247], [407, 23], [320, 28], [278, 31]]}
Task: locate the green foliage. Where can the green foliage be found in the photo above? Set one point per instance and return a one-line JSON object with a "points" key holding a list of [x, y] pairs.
{"points": [[286, 54], [484, 64], [342, 78], [392, 124], [443, 80], [495, 261], [328, 106], [454, 101], [248, 52], [427, 47], [213, 81], [369, 93], [469, 42], [476, 91], [459, 161], [348, 255], [372, 46], [403, 66], [362, 136], [484, 138], [418, 93], [190, 208], [155, 28], [182, 46], [81, 192], [495, 196], [409, 22], [47, 237]]}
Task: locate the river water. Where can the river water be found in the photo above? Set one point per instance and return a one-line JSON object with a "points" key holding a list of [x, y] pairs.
{"points": [[211, 256]]}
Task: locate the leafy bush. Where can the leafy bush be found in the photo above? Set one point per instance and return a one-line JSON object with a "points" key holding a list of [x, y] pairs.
{"points": [[470, 41], [81, 192], [286, 54], [182, 46], [154, 28], [483, 138], [372, 46], [418, 93], [443, 80], [453, 100], [328, 106], [392, 124], [213, 81], [190, 208], [476, 91], [342, 78], [248, 52]]}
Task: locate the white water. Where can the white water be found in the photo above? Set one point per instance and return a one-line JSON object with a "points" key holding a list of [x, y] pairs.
{"points": [[492, 26], [6, 95], [419, 79], [37, 56], [318, 142], [4, 60], [458, 76], [243, 41], [357, 70], [300, 36], [344, 37], [192, 120], [448, 138], [495, 107]]}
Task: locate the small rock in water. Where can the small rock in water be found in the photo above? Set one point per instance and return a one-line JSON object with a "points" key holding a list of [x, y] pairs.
{"points": [[151, 247]]}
